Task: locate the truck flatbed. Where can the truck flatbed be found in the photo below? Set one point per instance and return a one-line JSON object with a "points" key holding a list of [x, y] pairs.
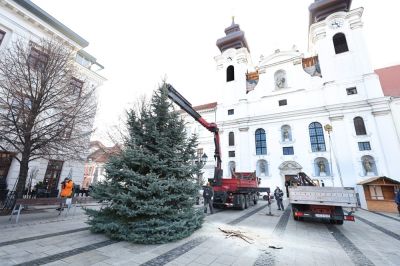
{"points": [[331, 196]]}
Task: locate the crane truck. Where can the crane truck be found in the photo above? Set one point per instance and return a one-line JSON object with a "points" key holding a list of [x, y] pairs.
{"points": [[241, 188], [311, 201]]}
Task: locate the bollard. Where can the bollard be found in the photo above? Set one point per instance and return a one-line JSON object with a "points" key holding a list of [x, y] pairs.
{"points": [[269, 206]]}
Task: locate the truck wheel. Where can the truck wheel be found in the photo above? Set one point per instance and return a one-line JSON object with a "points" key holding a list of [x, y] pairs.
{"points": [[339, 222], [295, 217], [265, 197], [246, 201], [241, 202], [255, 200]]}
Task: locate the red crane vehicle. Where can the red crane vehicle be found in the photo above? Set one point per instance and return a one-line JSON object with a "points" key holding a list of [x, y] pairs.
{"points": [[237, 191], [311, 201]]}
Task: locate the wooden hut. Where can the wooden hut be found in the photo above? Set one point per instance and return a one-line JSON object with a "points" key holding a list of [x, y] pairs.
{"points": [[380, 193]]}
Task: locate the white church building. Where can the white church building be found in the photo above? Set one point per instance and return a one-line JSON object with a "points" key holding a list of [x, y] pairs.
{"points": [[322, 112]]}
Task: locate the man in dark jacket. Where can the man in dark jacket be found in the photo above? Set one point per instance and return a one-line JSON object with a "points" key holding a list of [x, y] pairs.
{"points": [[397, 199], [278, 194], [208, 194]]}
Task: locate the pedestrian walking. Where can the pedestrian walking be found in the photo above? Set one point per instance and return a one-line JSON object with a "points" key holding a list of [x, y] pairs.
{"points": [[208, 195], [66, 191], [397, 199], [85, 186], [278, 194]]}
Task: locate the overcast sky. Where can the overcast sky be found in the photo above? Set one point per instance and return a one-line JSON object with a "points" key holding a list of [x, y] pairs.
{"points": [[141, 42]]}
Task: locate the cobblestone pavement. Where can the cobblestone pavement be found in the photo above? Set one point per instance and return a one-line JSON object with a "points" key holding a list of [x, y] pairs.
{"points": [[44, 238]]}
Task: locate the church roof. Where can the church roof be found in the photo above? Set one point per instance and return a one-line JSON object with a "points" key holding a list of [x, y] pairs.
{"points": [[234, 38], [205, 106], [321, 9], [390, 80], [376, 178]]}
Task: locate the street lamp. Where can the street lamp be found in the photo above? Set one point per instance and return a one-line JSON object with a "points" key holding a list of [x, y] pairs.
{"points": [[204, 159], [200, 162], [328, 128]]}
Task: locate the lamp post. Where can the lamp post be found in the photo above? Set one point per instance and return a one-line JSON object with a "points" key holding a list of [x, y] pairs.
{"points": [[200, 162], [328, 128]]}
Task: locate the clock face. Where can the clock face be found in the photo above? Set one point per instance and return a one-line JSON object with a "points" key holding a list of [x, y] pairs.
{"points": [[336, 23]]}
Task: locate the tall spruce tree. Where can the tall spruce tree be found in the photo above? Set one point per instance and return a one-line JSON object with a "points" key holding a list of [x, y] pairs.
{"points": [[149, 186]]}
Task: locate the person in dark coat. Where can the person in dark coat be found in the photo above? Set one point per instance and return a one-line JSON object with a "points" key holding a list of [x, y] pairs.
{"points": [[278, 194], [208, 194], [397, 199]]}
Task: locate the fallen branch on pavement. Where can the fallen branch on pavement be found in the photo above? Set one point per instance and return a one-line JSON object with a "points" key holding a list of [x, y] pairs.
{"points": [[237, 233]]}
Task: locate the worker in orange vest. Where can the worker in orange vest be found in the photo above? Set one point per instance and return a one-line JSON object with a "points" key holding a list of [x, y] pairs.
{"points": [[66, 190]]}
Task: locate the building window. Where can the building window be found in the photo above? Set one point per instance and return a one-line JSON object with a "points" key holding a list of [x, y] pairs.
{"points": [[231, 153], [199, 153], [261, 142], [262, 168], [364, 146], [351, 91], [230, 73], [231, 139], [359, 126], [37, 58], [316, 137], [2, 35], [288, 151], [340, 43], [76, 86], [231, 111], [286, 133], [52, 176], [282, 102], [376, 192]]}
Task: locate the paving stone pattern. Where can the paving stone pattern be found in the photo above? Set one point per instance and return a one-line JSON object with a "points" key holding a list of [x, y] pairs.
{"points": [[302, 242], [352, 251], [175, 253]]}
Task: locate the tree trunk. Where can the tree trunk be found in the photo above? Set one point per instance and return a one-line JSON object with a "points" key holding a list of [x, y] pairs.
{"points": [[23, 173]]}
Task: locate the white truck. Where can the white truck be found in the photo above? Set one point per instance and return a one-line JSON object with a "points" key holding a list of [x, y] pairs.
{"points": [[310, 201]]}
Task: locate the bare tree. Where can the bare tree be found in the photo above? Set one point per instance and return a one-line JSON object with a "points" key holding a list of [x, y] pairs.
{"points": [[46, 109]]}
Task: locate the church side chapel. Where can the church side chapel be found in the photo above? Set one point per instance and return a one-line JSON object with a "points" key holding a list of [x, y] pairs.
{"points": [[322, 111]]}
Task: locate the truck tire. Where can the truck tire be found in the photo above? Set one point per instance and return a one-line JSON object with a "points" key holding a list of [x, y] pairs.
{"points": [[295, 217], [241, 202], [255, 200], [339, 222], [246, 201]]}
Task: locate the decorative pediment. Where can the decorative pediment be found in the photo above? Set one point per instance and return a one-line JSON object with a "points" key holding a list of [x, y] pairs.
{"points": [[290, 165]]}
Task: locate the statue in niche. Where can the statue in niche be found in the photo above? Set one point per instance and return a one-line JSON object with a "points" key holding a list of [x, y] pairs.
{"points": [[285, 134], [367, 166], [280, 79], [321, 166]]}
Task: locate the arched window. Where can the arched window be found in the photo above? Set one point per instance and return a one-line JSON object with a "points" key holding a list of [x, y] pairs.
{"points": [[261, 143], [316, 137], [230, 73], [286, 133], [359, 126], [231, 139], [280, 79], [340, 43], [368, 165], [262, 168], [231, 168], [321, 167]]}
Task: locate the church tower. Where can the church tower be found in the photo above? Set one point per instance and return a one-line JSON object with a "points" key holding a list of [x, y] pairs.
{"points": [[232, 65], [336, 35]]}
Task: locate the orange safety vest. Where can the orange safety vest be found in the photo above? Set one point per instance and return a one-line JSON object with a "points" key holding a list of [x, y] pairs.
{"points": [[66, 191]]}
